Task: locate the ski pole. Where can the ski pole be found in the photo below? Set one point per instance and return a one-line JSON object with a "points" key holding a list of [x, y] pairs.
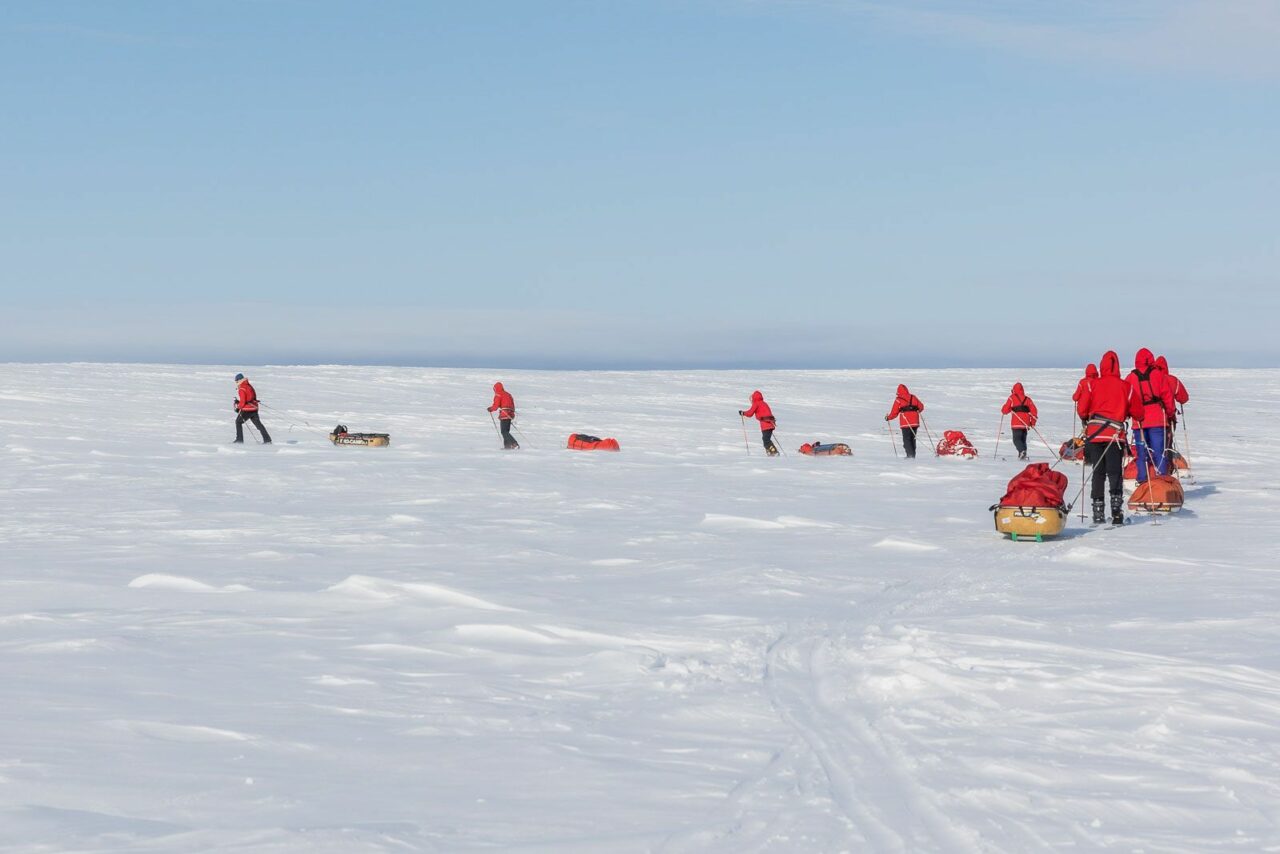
{"points": [[494, 421], [521, 433], [1052, 452], [999, 431], [892, 441], [1182, 417], [925, 425], [745, 442]]}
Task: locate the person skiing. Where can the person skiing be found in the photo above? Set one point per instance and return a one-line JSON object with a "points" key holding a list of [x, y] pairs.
{"points": [[505, 405], [762, 413], [1105, 406], [1086, 383], [246, 406], [907, 408], [1022, 417], [1150, 437]]}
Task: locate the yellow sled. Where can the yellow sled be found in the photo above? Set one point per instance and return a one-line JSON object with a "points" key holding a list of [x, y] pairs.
{"points": [[368, 440], [1030, 523]]}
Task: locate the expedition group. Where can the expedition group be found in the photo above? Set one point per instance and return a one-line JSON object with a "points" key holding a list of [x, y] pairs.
{"points": [[1148, 398]]}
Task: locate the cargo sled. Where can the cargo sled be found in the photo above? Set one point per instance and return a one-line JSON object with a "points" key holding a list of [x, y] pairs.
{"points": [[1072, 450], [1177, 467], [1161, 493], [830, 449], [1032, 507], [583, 442], [341, 436], [955, 444]]}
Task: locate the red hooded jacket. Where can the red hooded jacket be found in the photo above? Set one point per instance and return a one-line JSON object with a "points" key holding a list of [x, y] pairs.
{"points": [[248, 398], [503, 403], [1153, 388], [1108, 402], [1021, 409], [1175, 385], [1090, 374], [761, 411], [907, 407]]}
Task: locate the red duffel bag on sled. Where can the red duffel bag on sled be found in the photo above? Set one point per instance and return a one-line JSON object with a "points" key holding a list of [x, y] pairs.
{"points": [[583, 442], [955, 444], [1033, 506]]}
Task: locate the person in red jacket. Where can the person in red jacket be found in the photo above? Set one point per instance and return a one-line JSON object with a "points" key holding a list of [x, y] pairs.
{"points": [[762, 413], [1022, 417], [505, 405], [246, 406], [907, 408], [1086, 383], [1105, 407], [1151, 438]]}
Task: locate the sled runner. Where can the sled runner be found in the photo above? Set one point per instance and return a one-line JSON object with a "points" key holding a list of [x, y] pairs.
{"points": [[955, 444], [1032, 506], [830, 449], [583, 442], [1160, 494], [1072, 450], [340, 436]]}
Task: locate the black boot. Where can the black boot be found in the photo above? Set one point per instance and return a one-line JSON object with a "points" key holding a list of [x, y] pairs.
{"points": [[1117, 508], [1099, 508]]}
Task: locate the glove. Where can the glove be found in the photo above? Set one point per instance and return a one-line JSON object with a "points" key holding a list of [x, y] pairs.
{"points": [[235, 404], [742, 412], [887, 417]]}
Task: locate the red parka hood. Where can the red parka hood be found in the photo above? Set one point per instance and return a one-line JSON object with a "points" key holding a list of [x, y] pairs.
{"points": [[498, 389], [903, 391], [1017, 390], [1110, 364], [756, 397], [1162, 363], [1091, 371], [1144, 360]]}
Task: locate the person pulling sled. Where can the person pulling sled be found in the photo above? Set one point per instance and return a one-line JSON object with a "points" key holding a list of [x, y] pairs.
{"points": [[1022, 417], [246, 405], [505, 405], [907, 408], [1105, 407], [1150, 437], [762, 413]]}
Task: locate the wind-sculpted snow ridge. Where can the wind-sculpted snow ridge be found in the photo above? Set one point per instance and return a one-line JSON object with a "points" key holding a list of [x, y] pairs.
{"points": [[683, 647]]}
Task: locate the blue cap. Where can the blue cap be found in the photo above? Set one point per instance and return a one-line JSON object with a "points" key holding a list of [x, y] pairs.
{"points": [[239, 377]]}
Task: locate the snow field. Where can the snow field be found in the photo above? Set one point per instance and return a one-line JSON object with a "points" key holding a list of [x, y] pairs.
{"points": [[441, 646]]}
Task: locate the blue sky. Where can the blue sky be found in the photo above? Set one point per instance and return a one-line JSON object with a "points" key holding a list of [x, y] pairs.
{"points": [[659, 183]]}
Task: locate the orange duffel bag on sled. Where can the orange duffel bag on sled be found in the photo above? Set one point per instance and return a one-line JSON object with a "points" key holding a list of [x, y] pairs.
{"points": [[830, 449], [1162, 493], [1032, 506], [583, 442]]}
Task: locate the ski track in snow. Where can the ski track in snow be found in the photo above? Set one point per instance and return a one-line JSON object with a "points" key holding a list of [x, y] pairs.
{"points": [[438, 646]]}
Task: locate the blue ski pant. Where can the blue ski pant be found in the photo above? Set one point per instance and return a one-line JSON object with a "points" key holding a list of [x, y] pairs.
{"points": [[1148, 442]]}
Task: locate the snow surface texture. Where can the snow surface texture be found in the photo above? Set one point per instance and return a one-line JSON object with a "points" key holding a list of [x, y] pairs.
{"points": [[441, 646]]}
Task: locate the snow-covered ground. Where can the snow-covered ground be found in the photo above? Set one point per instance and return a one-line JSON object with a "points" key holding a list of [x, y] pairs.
{"points": [[441, 646]]}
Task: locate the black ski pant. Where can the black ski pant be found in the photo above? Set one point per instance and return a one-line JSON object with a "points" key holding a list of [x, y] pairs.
{"points": [[1106, 461], [909, 441], [766, 436], [257, 422], [1020, 440], [507, 440]]}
